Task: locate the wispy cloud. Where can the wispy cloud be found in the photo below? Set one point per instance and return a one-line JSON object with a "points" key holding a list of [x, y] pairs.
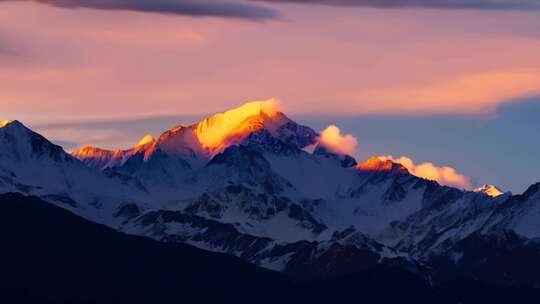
{"points": [[113, 133], [434, 4], [471, 93], [213, 8]]}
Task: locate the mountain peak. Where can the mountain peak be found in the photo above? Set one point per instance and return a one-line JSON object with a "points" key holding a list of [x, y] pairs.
{"points": [[8, 122], [21, 144], [490, 190], [87, 151], [216, 132], [16, 128], [257, 123], [377, 164], [5, 123], [148, 138]]}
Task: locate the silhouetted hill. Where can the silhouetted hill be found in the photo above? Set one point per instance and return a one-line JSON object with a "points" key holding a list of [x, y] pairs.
{"points": [[52, 255], [49, 255]]}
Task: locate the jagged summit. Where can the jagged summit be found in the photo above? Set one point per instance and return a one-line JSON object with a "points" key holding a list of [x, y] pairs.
{"points": [[376, 164], [20, 143], [89, 150], [219, 130], [7, 122], [147, 139], [490, 190], [257, 123], [98, 158], [14, 125]]}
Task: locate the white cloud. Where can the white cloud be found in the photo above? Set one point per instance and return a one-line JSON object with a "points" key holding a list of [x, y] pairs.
{"points": [[332, 139]]}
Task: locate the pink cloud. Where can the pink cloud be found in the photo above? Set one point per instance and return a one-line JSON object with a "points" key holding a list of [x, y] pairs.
{"points": [[481, 92], [72, 63]]}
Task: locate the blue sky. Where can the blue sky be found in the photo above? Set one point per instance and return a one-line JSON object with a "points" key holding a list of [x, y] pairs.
{"points": [[503, 149]]}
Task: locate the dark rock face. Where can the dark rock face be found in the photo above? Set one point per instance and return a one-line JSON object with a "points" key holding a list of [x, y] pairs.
{"points": [[296, 135], [348, 162], [306, 220], [349, 251], [309, 260], [241, 158], [263, 141], [503, 260], [209, 232], [250, 168], [128, 211], [396, 192], [206, 204], [159, 164], [42, 147], [345, 161]]}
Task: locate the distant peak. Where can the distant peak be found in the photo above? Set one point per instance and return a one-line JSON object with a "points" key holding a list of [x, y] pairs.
{"points": [[377, 164], [490, 190], [145, 140], [89, 151], [13, 125], [7, 122]]}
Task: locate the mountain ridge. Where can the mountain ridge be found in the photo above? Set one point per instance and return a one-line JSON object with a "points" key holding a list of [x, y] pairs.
{"points": [[208, 137], [82, 262], [257, 194]]}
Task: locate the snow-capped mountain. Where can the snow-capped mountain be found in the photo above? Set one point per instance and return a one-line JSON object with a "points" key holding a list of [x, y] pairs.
{"points": [[242, 182], [31, 164], [254, 124], [103, 159], [491, 190], [180, 151]]}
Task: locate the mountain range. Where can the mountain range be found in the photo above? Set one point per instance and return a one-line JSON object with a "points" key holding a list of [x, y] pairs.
{"points": [[253, 184]]}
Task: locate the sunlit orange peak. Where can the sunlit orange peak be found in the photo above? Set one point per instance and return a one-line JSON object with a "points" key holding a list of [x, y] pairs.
{"points": [[489, 190], [89, 151], [213, 132], [379, 164], [145, 140], [5, 123]]}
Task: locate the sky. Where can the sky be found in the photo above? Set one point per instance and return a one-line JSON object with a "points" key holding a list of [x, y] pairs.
{"points": [[452, 82]]}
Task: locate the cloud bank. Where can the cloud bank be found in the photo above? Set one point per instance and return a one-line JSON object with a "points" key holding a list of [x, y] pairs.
{"points": [[443, 175], [332, 139], [478, 92], [435, 4], [351, 62], [217, 8]]}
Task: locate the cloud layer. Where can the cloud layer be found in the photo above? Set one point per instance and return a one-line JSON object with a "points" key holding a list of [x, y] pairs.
{"points": [[60, 62], [436, 4], [443, 175], [476, 92], [332, 139], [215, 8]]}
